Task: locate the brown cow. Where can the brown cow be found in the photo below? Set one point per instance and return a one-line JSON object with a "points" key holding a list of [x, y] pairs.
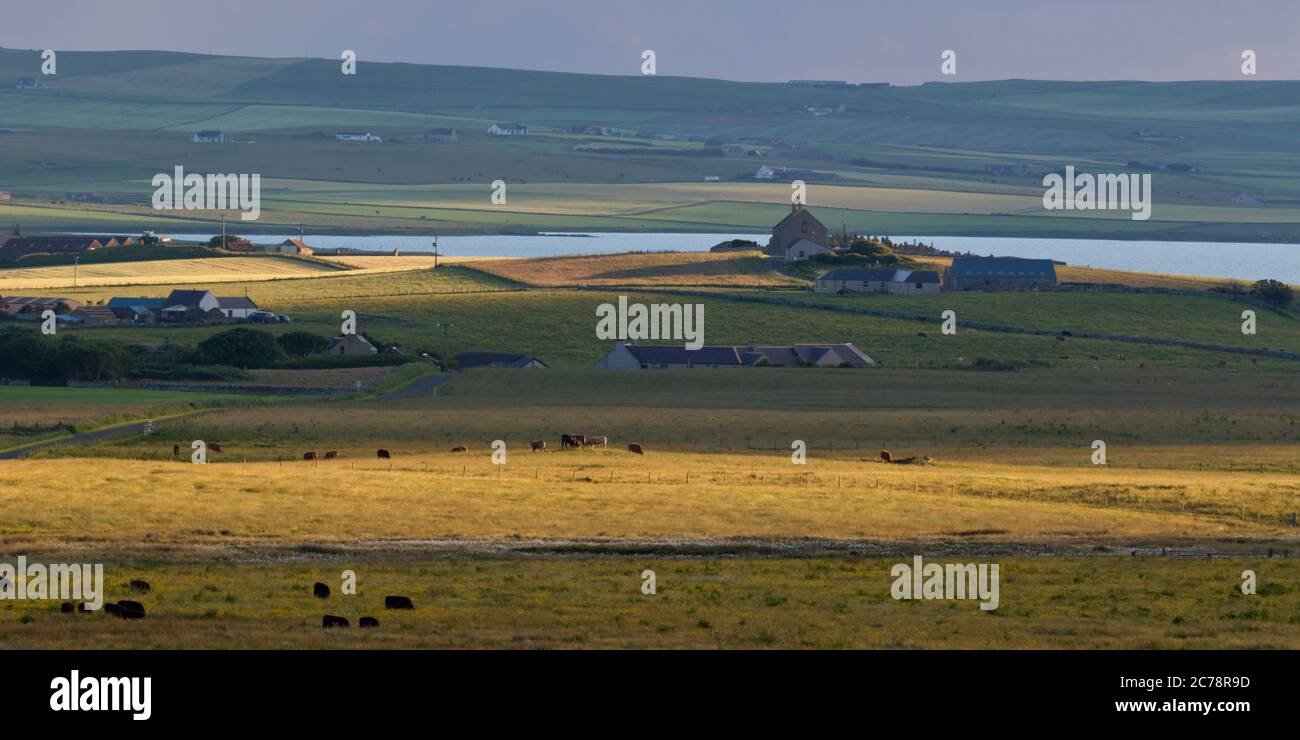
{"points": [[309, 455], [596, 442], [886, 456], [331, 454], [176, 450], [460, 448], [214, 447], [635, 448], [383, 455], [538, 444]]}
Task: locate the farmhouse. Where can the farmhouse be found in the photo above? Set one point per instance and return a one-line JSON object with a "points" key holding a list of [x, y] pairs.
{"points": [[350, 344], [764, 173], [357, 136], [508, 129], [187, 304], [28, 83], [880, 280], [629, 356], [589, 129], [970, 273], [441, 134], [96, 315], [208, 137], [798, 226], [466, 360]]}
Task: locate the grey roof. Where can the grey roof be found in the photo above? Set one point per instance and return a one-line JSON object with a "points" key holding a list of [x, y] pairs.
{"points": [[189, 298], [495, 359], [881, 274], [1003, 267], [147, 303], [235, 301]]}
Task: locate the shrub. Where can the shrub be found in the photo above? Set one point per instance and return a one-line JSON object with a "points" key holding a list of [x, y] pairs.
{"points": [[1273, 292], [241, 347]]}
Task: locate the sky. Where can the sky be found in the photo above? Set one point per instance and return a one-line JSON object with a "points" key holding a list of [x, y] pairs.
{"points": [[897, 41]]}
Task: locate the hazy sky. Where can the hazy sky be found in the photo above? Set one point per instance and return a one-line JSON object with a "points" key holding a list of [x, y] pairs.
{"points": [[897, 41]]}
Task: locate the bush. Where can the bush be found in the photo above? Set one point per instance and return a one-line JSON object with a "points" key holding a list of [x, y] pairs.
{"points": [[329, 361], [302, 343], [241, 347], [27, 355], [1272, 292], [190, 372]]}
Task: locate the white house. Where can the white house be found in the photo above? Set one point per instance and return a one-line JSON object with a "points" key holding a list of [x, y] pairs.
{"points": [[208, 137], [764, 173], [803, 249], [508, 129], [357, 136], [236, 307]]}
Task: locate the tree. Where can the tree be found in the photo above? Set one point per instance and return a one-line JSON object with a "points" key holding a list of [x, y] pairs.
{"points": [[230, 239], [241, 348], [302, 343], [1274, 293]]}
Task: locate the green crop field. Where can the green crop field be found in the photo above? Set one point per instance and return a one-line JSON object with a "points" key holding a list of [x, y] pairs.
{"points": [[964, 158]]}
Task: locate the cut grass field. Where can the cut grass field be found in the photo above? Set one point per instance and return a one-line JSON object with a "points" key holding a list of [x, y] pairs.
{"points": [[1071, 603], [162, 272]]}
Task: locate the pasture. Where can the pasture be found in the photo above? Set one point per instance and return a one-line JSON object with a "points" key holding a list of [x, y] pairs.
{"points": [[701, 603]]}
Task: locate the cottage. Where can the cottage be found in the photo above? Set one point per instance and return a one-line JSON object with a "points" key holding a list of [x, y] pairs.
{"points": [[798, 225], [803, 249], [1007, 273], [879, 280], [508, 129], [96, 315], [236, 307], [357, 136], [590, 129], [28, 83], [466, 360], [21, 246], [208, 137], [350, 344], [629, 356], [182, 305]]}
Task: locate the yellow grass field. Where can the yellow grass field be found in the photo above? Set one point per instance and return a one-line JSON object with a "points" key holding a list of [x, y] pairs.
{"points": [[162, 272], [389, 263], [745, 269]]}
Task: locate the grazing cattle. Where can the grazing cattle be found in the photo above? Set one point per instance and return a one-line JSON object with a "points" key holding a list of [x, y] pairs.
{"points": [[320, 591], [569, 440], [538, 444], [66, 608], [905, 461], [176, 450], [111, 609], [332, 621], [460, 448], [1254, 360], [331, 454], [130, 609], [1060, 338], [398, 602], [369, 622], [309, 455], [635, 448], [922, 334], [886, 456], [383, 455], [140, 586], [214, 447], [82, 608], [596, 441]]}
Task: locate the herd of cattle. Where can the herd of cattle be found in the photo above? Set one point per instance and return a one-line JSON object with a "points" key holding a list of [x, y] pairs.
{"points": [[128, 609], [567, 441]]}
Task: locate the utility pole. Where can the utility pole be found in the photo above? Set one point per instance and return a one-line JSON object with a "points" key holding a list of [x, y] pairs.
{"points": [[223, 231], [435, 251], [76, 259]]}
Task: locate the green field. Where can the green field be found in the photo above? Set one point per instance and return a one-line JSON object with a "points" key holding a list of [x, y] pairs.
{"points": [[963, 158]]}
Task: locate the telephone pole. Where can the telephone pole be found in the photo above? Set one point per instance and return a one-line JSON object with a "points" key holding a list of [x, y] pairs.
{"points": [[435, 252]]}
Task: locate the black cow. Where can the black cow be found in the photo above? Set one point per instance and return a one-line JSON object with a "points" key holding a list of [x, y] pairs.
{"points": [[309, 455], [383, 455], [369, 622], [111, 609], [140, 586], [320, 591], [331, 455], [66, 608], [332, 621], [214, 447], [398, 602], [130, 609]]}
